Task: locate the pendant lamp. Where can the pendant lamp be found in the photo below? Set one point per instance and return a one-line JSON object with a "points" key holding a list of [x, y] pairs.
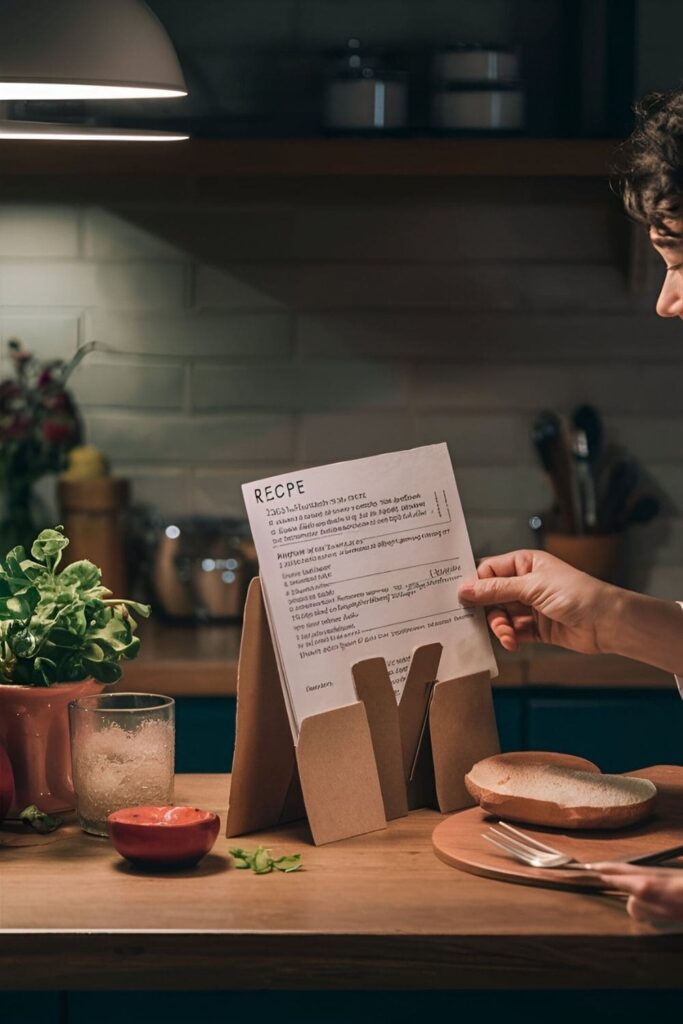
{"points": [[85, 50]]}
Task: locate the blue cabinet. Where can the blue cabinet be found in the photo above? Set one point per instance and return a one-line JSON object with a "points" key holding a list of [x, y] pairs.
{"points": [[205, 733], [619, 730]]}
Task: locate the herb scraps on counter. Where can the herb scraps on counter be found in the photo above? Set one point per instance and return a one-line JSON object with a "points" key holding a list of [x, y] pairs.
{"points": [[261, 862], [39, 821]]}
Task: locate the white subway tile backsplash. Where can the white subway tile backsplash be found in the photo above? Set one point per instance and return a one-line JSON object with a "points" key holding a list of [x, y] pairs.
{"points": [[665, 582], [52, 335], [46, 232], [333, 437], [218, 492], [112, 235], [649, 437], [193, 334], [216, 234], [478, 440], [242, 340], [79, 283], [467, 336], [233, 288], [166, 438], [419, 233], [169, 492], [494, 534], [299, 387], [618, 387], [38, 283], [129, 385], [142, 285], [503, 489], [464, 285]]}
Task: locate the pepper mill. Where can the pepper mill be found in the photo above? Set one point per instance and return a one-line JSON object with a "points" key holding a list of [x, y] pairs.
{"points": [[92, 506]]}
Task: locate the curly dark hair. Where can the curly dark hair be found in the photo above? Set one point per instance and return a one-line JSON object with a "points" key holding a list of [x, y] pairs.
{"points": [[649, 165]]}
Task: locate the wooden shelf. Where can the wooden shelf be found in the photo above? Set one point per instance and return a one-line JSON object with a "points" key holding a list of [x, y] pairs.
{"points": [[277, 158]]}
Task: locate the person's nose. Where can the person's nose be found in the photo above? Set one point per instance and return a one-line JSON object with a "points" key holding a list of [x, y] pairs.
{"points": [[670, 301]]}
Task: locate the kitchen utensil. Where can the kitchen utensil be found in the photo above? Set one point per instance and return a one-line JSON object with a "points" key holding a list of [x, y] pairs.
{"points": [[363, 92], [588, 517], [475, 63], [201, 567], [528, 850], [551, 438], [458, 842], [587, 419], [478, 108], [594, 553], [642, 508], [621, 481]]}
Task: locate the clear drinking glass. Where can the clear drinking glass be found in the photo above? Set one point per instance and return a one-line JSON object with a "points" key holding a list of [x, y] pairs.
{"points": [[122, 754]]}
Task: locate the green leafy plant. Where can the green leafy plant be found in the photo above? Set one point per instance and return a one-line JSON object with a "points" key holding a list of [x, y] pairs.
{"points": [[261, 862], [61, 627], [39, 821]]}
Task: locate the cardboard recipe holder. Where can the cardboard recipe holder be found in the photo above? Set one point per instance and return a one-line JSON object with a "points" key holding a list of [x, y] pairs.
{"points": [[355, 767]]}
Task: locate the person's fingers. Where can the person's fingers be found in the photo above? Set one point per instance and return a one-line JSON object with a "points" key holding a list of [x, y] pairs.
{"points": [[513, 563], [615, 867], [502, 628], [525, 629], [659, 887], [495, 590], [641, 910]]}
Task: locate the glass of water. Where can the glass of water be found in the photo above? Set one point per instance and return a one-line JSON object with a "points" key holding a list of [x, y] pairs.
{"points": [[122, 754]]}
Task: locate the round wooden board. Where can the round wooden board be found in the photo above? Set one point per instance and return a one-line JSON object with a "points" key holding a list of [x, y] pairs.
{"points": [[458, 840]]}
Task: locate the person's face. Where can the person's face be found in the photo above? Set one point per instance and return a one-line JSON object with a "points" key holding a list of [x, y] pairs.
{"points": [[669, 245]]}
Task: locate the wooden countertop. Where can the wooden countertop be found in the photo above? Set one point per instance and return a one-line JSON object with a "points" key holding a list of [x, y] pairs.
{"points": [[377, 911], [201, 661]]}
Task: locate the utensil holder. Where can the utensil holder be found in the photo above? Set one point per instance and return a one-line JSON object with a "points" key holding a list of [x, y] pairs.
{"points": [[595, 554]]}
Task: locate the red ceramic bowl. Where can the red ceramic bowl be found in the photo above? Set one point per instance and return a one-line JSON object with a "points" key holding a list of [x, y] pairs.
{"points": [[163, 837]]}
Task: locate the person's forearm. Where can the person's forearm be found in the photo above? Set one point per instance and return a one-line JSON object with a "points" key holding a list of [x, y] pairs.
{"points": [[643, 628]]}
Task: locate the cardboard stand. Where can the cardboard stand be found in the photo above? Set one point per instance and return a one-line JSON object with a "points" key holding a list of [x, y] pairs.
{"points": [[353, 767]]}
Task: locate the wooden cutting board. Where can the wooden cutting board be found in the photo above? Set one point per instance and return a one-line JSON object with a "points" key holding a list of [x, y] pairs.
{"points": [[458, 841]]}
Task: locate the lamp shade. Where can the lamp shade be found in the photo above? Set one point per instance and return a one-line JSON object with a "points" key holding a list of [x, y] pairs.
{"points": [[85, 49], [40, 131]]}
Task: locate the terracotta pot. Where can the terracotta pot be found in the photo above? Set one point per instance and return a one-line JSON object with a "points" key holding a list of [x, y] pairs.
{"points": [[34, 729]]}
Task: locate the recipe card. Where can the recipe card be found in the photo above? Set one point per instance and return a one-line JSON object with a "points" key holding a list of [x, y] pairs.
{"points": [[363, 559]]}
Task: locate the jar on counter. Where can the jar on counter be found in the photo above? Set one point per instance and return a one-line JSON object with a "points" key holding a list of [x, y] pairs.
{"points": [[479, 62], [362, 92], [476, 87], [478, 109]]}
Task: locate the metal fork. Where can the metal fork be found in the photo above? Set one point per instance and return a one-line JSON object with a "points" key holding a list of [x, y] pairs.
{"points": [[531, 851]]}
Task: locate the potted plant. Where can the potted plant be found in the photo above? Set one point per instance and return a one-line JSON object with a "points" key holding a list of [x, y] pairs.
{"points": [[62, 635]]}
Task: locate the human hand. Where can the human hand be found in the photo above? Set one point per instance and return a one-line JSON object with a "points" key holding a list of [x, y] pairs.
{"points": [[654, 894], [532, 596]]}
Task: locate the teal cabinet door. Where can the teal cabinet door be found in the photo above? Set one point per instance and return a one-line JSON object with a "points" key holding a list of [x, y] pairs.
{"points": [[510, 718], [33, 1007], [205, 734], [619, 733]]}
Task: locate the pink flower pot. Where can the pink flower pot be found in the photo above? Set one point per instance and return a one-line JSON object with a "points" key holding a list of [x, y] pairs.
{"points": [[34, 729]]}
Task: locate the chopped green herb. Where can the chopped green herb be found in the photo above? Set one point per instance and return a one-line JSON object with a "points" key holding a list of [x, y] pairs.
{"points": [[39, 820], [288, 864], [261, 862]]}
